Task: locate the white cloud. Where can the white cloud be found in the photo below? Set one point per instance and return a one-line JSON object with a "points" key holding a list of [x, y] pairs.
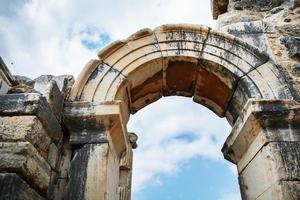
{"points": [[45, 37], [171, 132]]}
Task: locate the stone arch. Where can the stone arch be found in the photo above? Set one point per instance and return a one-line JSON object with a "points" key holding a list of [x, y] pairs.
{"points": [[218, 70], [232, 78]]}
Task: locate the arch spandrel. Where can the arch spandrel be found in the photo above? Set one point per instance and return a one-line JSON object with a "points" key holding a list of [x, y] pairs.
{"points": [[216, 69]]}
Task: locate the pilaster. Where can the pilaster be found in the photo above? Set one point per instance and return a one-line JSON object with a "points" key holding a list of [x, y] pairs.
{"points": [[265, 145]]}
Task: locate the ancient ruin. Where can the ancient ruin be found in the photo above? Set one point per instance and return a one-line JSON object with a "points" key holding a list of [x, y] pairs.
{"points": [[66, 139]]}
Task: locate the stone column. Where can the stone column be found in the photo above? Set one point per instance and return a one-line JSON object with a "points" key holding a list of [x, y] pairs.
{"points": [[126, 169], [99, 138], [89, 174], [265, 145]]}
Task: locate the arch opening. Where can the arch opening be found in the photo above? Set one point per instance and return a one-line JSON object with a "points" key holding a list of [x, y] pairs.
{"points": [[173, 153]]}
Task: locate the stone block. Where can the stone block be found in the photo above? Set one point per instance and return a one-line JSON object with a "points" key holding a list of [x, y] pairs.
{"points": [[94, 173], [255, 5], [293, 45], [32, 104], [24, 80], [55, 99], [282, 190], [274, 162], [23, 159], [49, 88], [14, 188], [60, 177], [96, 123], [64, 82], [272, 86], [53, 155], [25, 128], [257, 116]]}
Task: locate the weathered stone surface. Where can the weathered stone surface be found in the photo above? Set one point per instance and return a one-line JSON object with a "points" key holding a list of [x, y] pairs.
{"points": [[233, 17], [55, 98], [20, 88], [125, 175], [6, 79], [31, 104], [60, 176], [256, 5], [133, 140], [23, 159], [282, 190], [218, 7], [94, 173], [13, 187], [25, 128], [296, 68], [274, 162], [22, 85], [53, 155], [64, 82], [24, 80], [272, 85], [293, 45], [258, 116], [96, 123]]}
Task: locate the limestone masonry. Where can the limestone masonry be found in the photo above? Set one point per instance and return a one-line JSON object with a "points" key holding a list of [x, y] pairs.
{"points": [[67, 139]]}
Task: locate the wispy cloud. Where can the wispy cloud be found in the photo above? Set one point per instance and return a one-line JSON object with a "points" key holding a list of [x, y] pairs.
{"points": [[46, 37]]}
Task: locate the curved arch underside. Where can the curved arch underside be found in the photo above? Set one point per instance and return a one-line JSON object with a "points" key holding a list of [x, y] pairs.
{"points": [[215, 69]]}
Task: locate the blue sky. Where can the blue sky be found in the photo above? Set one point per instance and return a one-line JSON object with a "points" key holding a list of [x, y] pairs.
{"points": [[180, 141]]}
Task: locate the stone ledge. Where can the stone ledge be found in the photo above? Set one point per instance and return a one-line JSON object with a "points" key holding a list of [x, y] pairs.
{"points": [[13, 187], [91, 123], [25, 128], [31, 104], [23, 159], [255, 115]]}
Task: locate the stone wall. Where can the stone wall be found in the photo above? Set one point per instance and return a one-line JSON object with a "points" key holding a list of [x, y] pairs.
{"points": [[34, 154], [271, 25]]}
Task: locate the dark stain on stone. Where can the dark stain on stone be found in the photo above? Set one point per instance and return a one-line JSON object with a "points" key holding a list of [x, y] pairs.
{"points": [[13, 187], [93, 75], [180, 78], [78, 173]]}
